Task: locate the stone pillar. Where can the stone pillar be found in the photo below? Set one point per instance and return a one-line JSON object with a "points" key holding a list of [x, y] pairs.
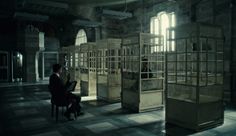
{"points": [[97, 33], [31, 41], [30, 65]]}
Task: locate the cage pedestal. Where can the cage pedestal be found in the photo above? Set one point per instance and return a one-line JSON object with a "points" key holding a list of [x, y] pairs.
{"points": [[194, 116], [146, 101], [108, 87], [88, 87]]}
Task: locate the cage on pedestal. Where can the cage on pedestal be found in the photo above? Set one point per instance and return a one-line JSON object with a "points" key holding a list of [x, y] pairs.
{"points": [[87, 61], [194, 75], [69, 58], [142, 72], [108, 69]]}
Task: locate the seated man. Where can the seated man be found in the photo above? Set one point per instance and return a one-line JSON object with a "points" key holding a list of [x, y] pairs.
{"points": [[59, 92], [145, 71]]}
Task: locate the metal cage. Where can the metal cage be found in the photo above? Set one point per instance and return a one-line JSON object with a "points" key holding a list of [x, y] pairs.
{"points": [[194, 76], [108, 69], [69, 58], [88, 69], [142, 72]]}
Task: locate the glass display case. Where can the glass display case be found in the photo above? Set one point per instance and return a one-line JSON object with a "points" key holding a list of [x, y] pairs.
{"points": [[88, 69], [194, 76], [142, 72], [108, 69], [69, 58]]}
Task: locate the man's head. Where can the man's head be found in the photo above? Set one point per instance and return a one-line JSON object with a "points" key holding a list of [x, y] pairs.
{"points": [[145, 62], [57, 68]]}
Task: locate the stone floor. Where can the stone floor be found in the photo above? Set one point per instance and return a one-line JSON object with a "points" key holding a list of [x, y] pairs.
{"points": [[25, 111]]}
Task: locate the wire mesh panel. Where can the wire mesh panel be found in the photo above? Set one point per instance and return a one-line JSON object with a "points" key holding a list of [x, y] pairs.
{"points": [[195, 76], [64, 57], [87, 61], [69, 58], [108, 69], [142, 71]]}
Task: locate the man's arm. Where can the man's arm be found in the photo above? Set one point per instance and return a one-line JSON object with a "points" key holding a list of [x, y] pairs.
{"points": [[68, 83]]}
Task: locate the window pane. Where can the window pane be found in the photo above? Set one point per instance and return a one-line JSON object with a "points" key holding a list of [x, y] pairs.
{"points": [[81, 37], [173, 21], [156, 26], [159, 25]]}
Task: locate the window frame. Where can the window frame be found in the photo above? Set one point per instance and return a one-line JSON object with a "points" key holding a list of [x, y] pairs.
{"points": [[156, 23], [81, 37]]}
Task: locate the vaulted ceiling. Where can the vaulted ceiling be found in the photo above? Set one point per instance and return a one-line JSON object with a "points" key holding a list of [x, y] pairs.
{"points": [[57, 7], [65, 9]]}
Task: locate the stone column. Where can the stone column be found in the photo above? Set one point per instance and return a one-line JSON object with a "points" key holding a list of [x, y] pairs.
{"points": [[31, 41], [31, 69]]}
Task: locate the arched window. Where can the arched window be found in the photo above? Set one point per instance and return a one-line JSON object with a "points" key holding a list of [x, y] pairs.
{"points": [[159, 25], [81, 37]]}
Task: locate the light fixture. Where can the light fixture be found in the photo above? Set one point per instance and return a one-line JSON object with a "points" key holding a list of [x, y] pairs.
{"points": [[44, 3]]}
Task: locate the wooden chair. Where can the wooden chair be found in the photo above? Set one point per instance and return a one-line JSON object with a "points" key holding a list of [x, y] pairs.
{"points": [[57, 106]]}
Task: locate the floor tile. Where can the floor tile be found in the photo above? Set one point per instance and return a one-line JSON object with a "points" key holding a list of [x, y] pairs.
{"points": [[101, 127], [35, 122], [85, 116], [26, 112], [52, 133], [135, 132], [142, 119]]}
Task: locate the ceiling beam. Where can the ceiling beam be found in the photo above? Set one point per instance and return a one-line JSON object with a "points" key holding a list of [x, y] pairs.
{"points": [[86, 23], [30, 16], [48, 3], [116, 14], [95, 3]]}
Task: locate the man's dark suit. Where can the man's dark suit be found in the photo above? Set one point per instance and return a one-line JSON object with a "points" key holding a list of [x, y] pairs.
{"points": [[58, 90], [60, 95]]}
